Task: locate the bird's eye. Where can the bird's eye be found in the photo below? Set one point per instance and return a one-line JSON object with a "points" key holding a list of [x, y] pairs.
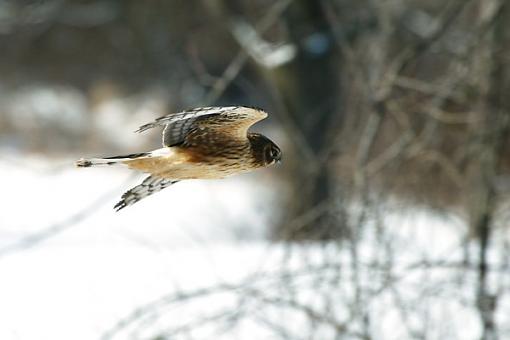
{"points": [[273, 153]]}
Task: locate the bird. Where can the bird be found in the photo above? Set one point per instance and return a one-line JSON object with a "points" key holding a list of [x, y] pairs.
{"points": [[199, 143]]}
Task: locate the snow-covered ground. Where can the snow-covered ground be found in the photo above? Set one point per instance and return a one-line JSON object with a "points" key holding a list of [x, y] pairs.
{"points": [[195, 256]]}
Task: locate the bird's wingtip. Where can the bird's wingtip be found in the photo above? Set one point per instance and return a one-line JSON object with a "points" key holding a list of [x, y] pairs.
{"points": [[120, 205]]}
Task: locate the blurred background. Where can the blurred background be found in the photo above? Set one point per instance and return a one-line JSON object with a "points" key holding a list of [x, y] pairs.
{"points": [[388, 218]]}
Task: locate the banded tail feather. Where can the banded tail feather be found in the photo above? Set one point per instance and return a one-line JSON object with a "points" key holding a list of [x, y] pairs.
{"points": [[85, 163], [149, 186]]}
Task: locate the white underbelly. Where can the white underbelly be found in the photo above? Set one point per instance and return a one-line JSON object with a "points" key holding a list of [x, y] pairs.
{"points": [[202, 171]]}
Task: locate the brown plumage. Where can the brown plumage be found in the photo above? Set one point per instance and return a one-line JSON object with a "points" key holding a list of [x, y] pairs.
{"points": [[206, 143]]}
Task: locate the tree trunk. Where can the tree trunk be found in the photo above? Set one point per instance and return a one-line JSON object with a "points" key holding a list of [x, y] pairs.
{"points": [[490, 135], [310, 92]]}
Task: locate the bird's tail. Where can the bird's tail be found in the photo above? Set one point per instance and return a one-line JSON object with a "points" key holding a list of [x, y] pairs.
{"points": [[85, 163]]}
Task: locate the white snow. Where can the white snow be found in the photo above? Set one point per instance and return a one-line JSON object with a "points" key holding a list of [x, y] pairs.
{"points": [[80, 279]]}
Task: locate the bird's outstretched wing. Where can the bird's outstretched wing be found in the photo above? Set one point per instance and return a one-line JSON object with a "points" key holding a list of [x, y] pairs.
{"points": [[228, 121], [149, 186]]}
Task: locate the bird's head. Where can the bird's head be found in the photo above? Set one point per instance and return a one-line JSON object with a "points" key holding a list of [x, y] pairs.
{"points": [[265, 151]]}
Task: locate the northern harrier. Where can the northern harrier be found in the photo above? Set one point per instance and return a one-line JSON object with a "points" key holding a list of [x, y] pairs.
{"points": [[209, 142]]}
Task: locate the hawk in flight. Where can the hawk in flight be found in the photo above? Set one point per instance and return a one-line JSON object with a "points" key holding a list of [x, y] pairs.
{"points": [[208, 143]]}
